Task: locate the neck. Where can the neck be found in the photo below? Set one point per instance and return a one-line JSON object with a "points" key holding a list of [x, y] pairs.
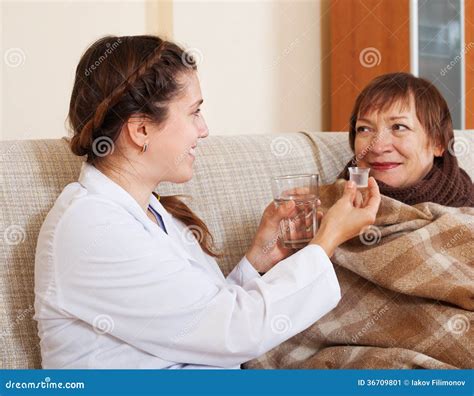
{"points": [[131, 182]]}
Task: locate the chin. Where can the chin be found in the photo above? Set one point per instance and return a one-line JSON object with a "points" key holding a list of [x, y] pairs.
{"points": [[183, 178], [389, 180]]}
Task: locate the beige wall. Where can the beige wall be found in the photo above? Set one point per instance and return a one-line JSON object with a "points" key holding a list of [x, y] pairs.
{"points": [[47, 40], [261, 63]]}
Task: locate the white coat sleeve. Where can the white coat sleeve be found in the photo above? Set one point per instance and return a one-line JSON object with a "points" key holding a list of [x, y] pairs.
{"points": [[171, 308], [243, 272]]}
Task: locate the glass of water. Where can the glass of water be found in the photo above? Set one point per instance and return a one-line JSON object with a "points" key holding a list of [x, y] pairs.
{"points": [[299, 229], [360, 176]]}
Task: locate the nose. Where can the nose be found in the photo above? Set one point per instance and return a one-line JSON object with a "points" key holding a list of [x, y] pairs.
{"points": [[203, 129], [381, 143], [204, 133]]}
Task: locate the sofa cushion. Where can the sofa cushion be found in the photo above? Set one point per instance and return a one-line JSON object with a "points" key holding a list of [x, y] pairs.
{"points": [[230, 189], [33, 174]]}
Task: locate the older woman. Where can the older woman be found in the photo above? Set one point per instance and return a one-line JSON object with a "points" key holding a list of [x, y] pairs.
{"points": [[401, 129], [407, 281]]}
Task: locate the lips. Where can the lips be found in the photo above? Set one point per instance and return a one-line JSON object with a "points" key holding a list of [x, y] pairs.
{"points": [[384, 166], [192, 151]]}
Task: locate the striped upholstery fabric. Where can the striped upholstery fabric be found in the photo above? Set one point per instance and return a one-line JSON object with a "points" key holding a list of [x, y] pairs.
{"points": [[229, 190]]}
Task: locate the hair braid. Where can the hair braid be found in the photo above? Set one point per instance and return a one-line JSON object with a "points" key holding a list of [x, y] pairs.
{"points": [[152, 83], [86, 135]]}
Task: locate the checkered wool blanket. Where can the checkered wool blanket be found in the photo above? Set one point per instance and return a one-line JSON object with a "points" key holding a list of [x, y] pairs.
{"points": [[407, 286]]}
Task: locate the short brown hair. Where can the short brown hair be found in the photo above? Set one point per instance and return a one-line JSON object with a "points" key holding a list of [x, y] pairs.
{"points": [[431, 108]]}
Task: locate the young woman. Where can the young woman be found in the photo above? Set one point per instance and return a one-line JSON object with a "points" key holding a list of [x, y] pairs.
{"points": [[115, 284]]}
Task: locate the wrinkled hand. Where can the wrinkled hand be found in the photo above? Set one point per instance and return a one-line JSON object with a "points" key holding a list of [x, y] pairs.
{"points": [[348, 216]]}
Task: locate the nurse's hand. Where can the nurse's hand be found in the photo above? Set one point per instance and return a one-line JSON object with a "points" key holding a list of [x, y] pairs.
{"points": [[347, 217], [267, 249]]}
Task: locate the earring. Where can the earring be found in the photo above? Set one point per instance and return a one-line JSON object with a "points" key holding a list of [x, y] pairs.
{"points": [[144, 148]]}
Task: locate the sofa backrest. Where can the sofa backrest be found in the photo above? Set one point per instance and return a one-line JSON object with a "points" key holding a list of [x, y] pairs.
{"points": [[229, 190]]}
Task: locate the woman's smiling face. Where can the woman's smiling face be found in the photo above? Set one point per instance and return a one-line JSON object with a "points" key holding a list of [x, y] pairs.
{"points": [[394, 145]]}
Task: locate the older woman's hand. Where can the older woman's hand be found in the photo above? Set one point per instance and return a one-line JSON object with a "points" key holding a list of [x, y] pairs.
{"points": [[348, 216]]}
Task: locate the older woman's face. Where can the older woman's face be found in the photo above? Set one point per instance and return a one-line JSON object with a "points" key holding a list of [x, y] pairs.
{"points": [[394, 145]]}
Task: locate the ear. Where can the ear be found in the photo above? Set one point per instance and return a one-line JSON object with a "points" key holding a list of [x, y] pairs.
{"points": [[136, 130], [438, 150]]}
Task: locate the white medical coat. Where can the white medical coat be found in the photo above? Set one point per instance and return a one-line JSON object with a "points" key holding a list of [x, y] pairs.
{"points": [[113, 290]]}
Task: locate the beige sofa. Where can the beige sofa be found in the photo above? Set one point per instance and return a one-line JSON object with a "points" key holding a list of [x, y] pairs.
{"points": [[230, 189]]}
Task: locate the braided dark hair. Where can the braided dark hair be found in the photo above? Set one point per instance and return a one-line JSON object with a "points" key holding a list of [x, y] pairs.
{"points": [[117, 78]]}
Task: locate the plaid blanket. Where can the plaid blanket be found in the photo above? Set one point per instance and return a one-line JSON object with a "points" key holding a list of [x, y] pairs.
{"points": [[407, 287]]}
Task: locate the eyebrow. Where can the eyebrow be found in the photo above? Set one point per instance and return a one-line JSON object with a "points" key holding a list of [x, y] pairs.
{"points": [[398, 117], [391, 118], [197, 103]]}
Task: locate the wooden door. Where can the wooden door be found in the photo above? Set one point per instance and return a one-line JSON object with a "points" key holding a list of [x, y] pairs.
{"points": [[368, 38]]}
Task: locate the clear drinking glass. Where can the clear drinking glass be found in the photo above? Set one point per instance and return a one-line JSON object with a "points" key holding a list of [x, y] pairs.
{"points": [[360, 176], [299, 229]]}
